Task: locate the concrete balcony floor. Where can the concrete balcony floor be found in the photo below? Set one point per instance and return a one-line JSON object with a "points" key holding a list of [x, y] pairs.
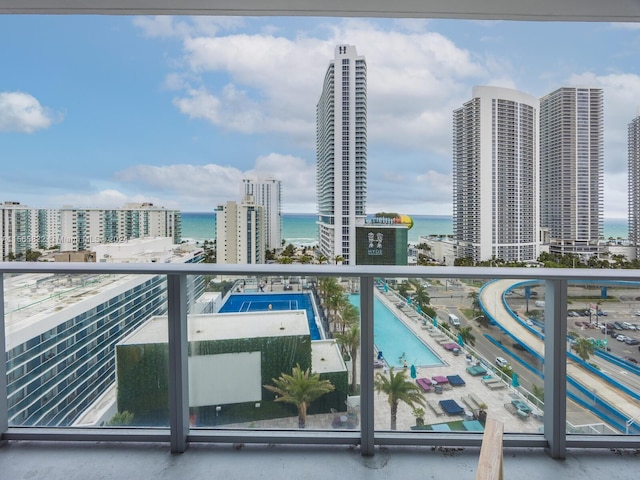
{"points": [[82, 461]]}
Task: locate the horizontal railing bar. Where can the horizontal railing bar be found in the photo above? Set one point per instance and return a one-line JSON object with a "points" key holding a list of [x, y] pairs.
{"points": [[321, 270], [308, 437], [87, 435]]}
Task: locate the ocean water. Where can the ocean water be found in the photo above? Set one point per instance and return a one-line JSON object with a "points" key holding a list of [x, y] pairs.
{"points": [[301, 228]]}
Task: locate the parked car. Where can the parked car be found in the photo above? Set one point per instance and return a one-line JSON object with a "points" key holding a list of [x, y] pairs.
{"points": [[628, 326], [632, 341], [622, 338], [617, 326]]}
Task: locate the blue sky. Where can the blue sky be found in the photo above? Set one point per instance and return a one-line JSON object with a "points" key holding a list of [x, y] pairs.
{"points": [[99, 110]]}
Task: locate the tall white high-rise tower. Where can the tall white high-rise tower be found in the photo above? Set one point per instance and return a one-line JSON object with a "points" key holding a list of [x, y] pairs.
{"points": [[341, 154], [268, 193], [571, 169], [634, 183], [495, 176]]}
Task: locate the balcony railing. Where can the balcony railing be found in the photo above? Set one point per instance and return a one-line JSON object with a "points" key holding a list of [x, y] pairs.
{"points": [[179, 433]]}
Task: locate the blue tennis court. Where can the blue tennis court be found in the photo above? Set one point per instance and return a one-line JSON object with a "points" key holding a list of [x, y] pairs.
{"points": [[263, 302]]}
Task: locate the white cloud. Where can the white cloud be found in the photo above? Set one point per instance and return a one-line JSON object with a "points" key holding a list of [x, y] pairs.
{"points": [[168, 26], [621, 103], [109, 198], [203, 187], [21, 112], [415, 79]]}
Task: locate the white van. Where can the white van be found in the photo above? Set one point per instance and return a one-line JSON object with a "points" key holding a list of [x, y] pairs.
{"points": [[454, 320], [502, 362]]}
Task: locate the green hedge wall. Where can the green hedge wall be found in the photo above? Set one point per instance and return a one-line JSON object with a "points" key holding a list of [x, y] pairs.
{"points": [[143, 376], [143, 370]]}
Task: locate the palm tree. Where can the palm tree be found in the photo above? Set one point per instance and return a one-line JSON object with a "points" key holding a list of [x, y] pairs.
{"points": [[300, 388], [350, 341], [421, 296], [399, 389], [467, 336], [475, 302], [583, 348], [347, 313]]}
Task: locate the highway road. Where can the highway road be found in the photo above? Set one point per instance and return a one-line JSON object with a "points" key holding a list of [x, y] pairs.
{"points": [[491, 298]]}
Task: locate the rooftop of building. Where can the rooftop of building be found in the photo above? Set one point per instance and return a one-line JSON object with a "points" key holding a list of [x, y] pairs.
{"points": [[224, 326], [37, 302]]}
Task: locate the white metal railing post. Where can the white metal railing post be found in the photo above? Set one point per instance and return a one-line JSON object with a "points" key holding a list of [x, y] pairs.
{"points": [[178, 358], [367, 428], [4, 400], [555, 367]]}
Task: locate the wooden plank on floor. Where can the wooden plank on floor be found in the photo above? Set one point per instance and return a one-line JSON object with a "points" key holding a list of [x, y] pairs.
{"points": [[491, 457]]}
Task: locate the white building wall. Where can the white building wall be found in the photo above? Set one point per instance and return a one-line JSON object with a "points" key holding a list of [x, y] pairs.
{"points": [[341, 154], [268, 194], [495, 176]]}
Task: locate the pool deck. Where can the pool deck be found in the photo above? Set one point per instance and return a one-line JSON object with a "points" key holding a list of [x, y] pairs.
{"points": [[498, 400]]}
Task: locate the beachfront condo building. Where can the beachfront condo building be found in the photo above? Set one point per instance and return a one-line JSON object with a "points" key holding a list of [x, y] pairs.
{"points": [[240, 232], [495, 176], [341, 155], [81, 228], [24, 228], [571, 169], [634, 183], [268, 193]]}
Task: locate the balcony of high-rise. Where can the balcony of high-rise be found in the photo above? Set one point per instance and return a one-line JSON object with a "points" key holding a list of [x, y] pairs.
{"points": [[218, 409]]}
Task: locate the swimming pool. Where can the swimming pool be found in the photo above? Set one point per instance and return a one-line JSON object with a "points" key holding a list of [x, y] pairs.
{"points": [[260, 302], [395, 340]]}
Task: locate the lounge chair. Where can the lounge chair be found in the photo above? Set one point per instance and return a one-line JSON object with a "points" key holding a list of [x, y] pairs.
{"points": [[476, 399], [496, 385], [451, 407], [435, 406], [440, 379], [470, 402], [476, 370], [424, 383], [456, 381], [487, 380]]}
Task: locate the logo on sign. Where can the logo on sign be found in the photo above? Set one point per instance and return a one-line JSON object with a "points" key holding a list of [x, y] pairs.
{"points": [[375, 243]]}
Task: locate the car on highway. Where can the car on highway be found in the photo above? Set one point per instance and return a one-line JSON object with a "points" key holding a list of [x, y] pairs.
{"points": [[502, 362]]}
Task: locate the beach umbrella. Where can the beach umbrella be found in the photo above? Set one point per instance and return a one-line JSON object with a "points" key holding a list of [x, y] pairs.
{"points": [[408, 300], [515, 383], [419, 309], [386, 287], [414, 373], [460, 340], [435, 321]]}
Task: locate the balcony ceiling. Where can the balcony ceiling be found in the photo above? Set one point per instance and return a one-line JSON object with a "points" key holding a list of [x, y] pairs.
{"points": [[545, 10]]}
